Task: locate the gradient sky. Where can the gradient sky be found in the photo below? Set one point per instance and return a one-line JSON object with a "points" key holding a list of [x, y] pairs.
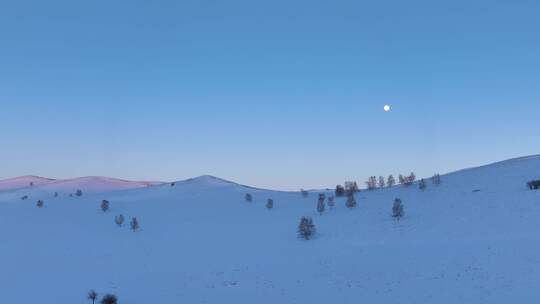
{"points": [[279, 94]]}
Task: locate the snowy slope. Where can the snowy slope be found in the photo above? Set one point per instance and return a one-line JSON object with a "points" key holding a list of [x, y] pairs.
{"points": [[23, 182], [44, 187], [472, 239]]}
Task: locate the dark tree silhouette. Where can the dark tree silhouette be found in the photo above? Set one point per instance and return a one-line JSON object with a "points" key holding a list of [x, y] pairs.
{"points": [[119, 220], [306, 228], [391, 181], [320, 203], [134, 224], [92, 295], [397, 209], [78, 192], [422, 185], [109, 299], [249, 198], [39, 204], [436, 179], [340, 191], [351, 201], [351, 187], [105, 205], [269, 204]]}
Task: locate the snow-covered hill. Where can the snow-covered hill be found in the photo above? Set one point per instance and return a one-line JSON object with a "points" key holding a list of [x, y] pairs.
{"points": [[40, 187], [472, 239], [23, 182]]}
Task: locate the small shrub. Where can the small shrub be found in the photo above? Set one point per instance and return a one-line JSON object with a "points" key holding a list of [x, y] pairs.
{"points": [[92, 295], [105, 205], [249, 198], [24, 197], [173, 184], [422, 185], [306, 228], [397, 209], [134, 224], [109, 299], [119, 220], [269, 204], [78, 192], [39, 204], [56, 194]]}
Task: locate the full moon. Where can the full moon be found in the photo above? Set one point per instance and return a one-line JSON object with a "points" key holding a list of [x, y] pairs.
{"points": [[386, 108]]}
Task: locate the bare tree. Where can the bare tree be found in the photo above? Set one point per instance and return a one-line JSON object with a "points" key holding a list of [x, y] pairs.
{"points": [[422, 185], [351, 187], [249, 198], [320, 203], [382, 183], [39, 204], [109, 299], [391, 181], [92, 295], [340, 190], [331, 202], [412, 177], [436, 179], [401, 179], [397, 209], [105, 205], [372, 183], [134, 224], [351, 201], [269, 204], [306, 228], [119, 220]]}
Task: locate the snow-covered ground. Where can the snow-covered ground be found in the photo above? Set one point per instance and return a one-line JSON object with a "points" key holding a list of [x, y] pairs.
{"points": [[472, 239]]}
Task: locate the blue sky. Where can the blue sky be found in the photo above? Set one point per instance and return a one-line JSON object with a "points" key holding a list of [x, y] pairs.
{"points": [[281, 94]]}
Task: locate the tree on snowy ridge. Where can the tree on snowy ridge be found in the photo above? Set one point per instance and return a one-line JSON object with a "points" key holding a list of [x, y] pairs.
{"points": [[320, 203], [382, 182], [391, 181], [422, 185], [340, 190]]}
